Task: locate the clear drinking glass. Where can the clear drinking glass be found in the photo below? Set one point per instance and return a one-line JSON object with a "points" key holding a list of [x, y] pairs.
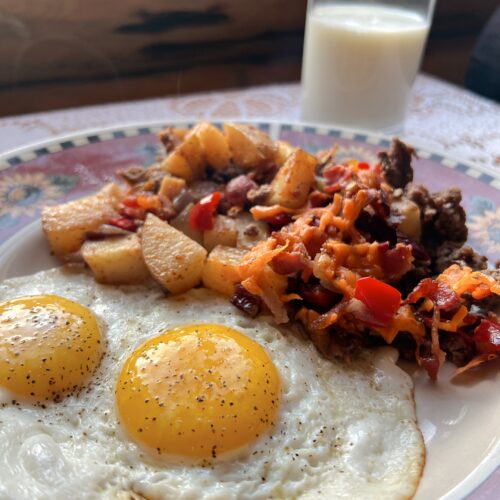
{"points": [[360, 60]]}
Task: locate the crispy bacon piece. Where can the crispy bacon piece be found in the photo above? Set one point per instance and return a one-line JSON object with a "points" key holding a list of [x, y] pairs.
{"points": [[289, 263], [123, 223], [395, 262], [487, 337], [329, 318], [438, 292], [430, 364]]}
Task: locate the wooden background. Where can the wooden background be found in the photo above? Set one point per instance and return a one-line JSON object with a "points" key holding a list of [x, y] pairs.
{"points": [[61, 53]]}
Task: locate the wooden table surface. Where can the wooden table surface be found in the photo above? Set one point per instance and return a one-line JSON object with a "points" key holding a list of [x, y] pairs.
{"points": [[442, 117]]}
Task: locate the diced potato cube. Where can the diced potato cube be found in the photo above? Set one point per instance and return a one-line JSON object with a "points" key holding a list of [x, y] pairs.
{"points": [[409, 213], [224, 232], [214, 145], [66, 225], [284, 150], [250, 231], [117, 260], [221, 271], [250, 146], [291, 185], [173, 259], [170, 186], [187, 160], [181, 222]]}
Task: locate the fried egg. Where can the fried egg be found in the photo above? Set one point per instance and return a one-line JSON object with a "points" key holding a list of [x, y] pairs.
{"points": [[48, 346], [299, 426]]}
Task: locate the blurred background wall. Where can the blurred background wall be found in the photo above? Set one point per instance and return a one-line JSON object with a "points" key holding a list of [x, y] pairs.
{"points": [[63, 53]]}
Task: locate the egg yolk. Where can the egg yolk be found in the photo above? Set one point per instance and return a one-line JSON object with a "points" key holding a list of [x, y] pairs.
{"points": [[198, 391], [49, 346]]}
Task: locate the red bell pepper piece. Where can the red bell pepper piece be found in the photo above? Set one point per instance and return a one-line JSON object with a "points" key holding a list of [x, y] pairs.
{"points": [[487, 337], [362, 165], [381, 299], [202, 214]]}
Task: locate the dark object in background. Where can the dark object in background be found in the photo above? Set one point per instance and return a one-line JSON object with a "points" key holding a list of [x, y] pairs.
{"points": [[483, 74]]}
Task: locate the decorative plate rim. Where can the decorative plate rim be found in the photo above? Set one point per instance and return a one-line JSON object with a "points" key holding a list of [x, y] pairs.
{"points": [[55, 144]]}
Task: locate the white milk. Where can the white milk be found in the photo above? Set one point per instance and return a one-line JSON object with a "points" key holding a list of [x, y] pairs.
{"points": [[359, 64]]}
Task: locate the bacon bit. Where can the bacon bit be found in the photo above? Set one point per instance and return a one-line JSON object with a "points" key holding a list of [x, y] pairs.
{"points": [[438, 292], [260, 255], [331, 317], [123, 223], [487, 337], [430, 364], [315, 242], [395, 262], [336, 178], [288, 263], [481, 358], [465, 280]]}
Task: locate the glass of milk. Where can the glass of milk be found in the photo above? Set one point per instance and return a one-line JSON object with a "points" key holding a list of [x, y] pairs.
{"points": [[361, 59]]}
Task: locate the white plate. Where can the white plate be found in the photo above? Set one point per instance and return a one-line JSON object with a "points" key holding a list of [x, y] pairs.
{"points": [[460, 421]]}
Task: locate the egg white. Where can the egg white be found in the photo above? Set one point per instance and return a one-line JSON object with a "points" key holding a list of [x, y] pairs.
{"points": [[342, 431]]}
